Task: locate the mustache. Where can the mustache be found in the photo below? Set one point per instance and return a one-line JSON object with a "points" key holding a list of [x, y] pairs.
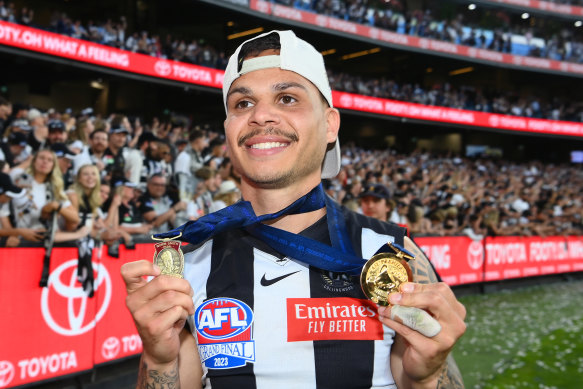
{"points": [[267, 131]]}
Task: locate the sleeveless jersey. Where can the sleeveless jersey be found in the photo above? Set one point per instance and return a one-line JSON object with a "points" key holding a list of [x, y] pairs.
{"points": [[263, 320]]}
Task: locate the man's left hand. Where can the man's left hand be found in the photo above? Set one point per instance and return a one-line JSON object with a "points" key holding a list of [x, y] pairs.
{"points": [[423, 358]]}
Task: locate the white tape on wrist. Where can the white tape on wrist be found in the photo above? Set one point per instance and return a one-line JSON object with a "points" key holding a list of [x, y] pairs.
{"points": [[416, 319]]}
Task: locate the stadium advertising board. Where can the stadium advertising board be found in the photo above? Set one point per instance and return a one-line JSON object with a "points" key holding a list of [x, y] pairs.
{"points": [[548, 6], [514, 257], [457, 259], [58, 330], [62, 46], [409, 41], [452, 115], [58, 45]]}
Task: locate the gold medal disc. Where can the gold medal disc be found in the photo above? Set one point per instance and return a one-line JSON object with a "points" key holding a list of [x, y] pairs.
{"points": [[382, 275], [169, 258]]}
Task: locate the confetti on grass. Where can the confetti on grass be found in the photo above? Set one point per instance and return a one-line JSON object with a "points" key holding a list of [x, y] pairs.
{"points": [[525, 338]]}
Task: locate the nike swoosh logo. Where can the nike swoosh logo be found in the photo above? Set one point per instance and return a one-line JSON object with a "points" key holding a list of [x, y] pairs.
{"points": [[266, 282]]}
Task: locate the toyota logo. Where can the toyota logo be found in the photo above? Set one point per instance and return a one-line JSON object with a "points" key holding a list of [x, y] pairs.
{"points": [[6, 373], [110, 347], [475, 255], [162, 67], [62, 289], [346, 101], [494, 120]]}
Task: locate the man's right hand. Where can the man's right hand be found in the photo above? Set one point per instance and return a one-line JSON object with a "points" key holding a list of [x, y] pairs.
{"points": [[159, 308]]}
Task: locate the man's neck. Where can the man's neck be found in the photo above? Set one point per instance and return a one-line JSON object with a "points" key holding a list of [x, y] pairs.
{"points": [[273, 200]]}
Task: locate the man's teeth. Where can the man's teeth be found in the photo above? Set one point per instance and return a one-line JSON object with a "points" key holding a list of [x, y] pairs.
{"points": [[267, 145]]}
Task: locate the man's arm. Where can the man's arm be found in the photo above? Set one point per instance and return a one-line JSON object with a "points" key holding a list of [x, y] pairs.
{"points": [[159, 309], [418, 361]]}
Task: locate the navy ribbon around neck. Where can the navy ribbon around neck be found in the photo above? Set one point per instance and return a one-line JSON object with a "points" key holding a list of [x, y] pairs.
{"points": [[339, 257]]}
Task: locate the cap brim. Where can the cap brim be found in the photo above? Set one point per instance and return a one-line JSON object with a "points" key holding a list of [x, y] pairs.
{"points": [[331, 165]]}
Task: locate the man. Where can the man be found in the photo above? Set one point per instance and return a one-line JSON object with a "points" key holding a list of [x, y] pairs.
{"points": [[259, 312], [57, 132], [374, 202], [65, 159], [149, 147], [156, 207], [8, 192], [188, 162], [15, 150], [98, 143], [5, 112], [126, 162]]}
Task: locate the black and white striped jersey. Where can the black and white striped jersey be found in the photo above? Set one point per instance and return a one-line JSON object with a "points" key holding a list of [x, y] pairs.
{"points": [[263, 320]]}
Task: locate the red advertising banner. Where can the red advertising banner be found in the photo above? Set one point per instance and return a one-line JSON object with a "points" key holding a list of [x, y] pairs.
{"points": [[394, 38], [565, 9], [58, 330], [457, 259], [62, 46], [451, 115], [58, 45], [514, 257]]}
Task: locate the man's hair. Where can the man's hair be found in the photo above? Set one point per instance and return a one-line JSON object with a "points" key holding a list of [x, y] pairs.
{"points": [[205, 173], [194, 135], [257, 46], [92, 135], [3, 101]]}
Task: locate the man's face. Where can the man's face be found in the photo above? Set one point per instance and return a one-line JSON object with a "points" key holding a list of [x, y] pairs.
{"points": [[374, 207], [57, 136], [5, 111], [64, 164], [118, 140], [99, 142], [157, 186], [199, 144], [277, 128]]}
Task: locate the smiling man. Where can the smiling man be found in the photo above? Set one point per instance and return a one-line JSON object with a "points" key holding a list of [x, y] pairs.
{"points": [[271, 295]]}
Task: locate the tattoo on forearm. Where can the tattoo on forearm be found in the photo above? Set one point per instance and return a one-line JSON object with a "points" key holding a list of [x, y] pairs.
{"points": [[422, 270], [153, 379], [451, 377]]}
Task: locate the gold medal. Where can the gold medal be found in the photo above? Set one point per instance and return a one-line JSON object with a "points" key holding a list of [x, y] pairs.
{"points": [[384, 273], [169, 258]]}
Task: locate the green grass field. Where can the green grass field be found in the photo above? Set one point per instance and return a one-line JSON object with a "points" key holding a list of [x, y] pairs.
{"points": [[524, 338]]}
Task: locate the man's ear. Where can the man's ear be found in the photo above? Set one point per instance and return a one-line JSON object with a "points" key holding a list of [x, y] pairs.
{"points": [[332, 124]]}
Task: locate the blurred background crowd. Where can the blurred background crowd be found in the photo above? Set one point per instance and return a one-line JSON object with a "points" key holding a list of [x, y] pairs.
{"points": [[118, 180]]}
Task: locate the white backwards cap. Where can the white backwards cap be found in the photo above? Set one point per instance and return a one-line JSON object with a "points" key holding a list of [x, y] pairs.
{"points": [[297, 56]]}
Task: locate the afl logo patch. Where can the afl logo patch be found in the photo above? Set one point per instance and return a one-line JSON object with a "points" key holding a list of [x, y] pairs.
{"points": [[223, 329]]}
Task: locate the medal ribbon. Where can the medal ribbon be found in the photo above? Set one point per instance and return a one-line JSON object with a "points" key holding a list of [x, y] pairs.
{"points": [[338, 258]]}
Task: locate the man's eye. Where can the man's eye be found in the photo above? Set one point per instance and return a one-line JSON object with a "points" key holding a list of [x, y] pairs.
{"points": [[243, 104], [287, 99]]}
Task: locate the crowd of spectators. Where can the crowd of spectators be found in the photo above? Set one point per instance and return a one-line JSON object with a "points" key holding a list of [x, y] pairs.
{"points": [[440, 195], [117, 180], [394, 16], [115, 33], [108, 179], [196, 51]]}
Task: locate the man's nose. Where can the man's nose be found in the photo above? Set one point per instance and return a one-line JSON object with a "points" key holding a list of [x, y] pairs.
{"points": [[264, 113]]}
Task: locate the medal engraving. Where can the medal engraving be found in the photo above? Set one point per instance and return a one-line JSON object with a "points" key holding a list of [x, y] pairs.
{"points": [[169, 258], [383, 274]]}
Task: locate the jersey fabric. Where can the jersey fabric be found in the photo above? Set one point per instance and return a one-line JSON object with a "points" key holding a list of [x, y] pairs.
{"points": [[263, 320]]}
